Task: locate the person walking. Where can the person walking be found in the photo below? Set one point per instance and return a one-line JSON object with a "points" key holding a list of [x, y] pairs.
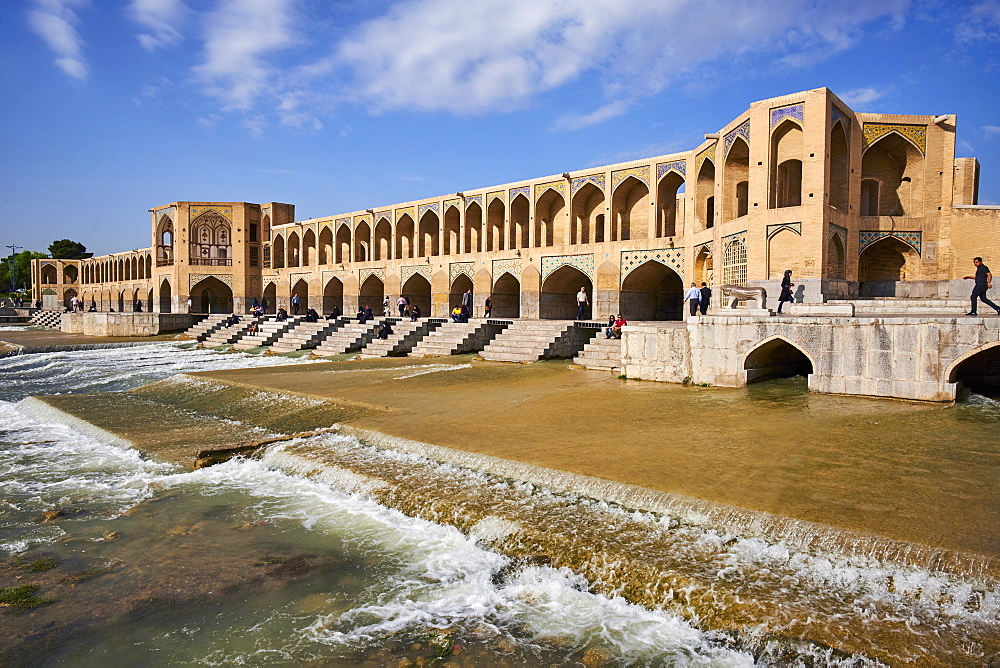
{"points": [[693, 298], [984, 281], [467, 304], [74, 304], [706, 297], [786, 289], [296, 300], [263, 304], [385, 307], [401, 304], [488, 307], [582, 303]]}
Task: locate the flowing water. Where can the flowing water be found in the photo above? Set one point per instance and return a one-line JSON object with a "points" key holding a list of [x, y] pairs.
{"points": [[339, 550]]}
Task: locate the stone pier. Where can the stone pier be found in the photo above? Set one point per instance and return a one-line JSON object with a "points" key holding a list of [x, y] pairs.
{"points": [[126, 324]]}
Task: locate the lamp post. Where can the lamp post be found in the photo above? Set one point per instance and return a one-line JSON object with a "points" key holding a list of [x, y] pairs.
{"points": [[13, 266]]}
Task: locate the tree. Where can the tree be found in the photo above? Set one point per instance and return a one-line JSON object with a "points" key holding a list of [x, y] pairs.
{"points": [[22, 262], [64, 249]]}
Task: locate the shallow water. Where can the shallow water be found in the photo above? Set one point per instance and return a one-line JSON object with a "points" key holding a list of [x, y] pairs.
{"points": [[334, 551]]}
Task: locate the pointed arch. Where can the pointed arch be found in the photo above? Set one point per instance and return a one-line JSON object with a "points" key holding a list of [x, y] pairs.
{"points": [[325, 250], [474, 228], [496, 211], [371, 293], [736, 183], [840, 167], [557, 299], [786, 164], [271, 297], [519, 220], [362, 242], [308, 248], [333, 295], [459, 286], [889, 259], [506, 296], [652, 291], [550, 228], [630, 210], [164, 241], [670, 214], [705, 195], [897, 166], [343, 243], [294, 250], [210, 295], [300, 288], [452, 230], [405, 237], [776, 357], [278, 251], [978, 370], [430, 234], [418, 290], [210, 240], [588, 203], [382, 248]]}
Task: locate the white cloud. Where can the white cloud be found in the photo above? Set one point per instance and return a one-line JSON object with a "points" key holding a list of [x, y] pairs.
{"points": [[573, 121], [860, 96], [161, 18], [991, 131], [55, 22], [979, 22]]}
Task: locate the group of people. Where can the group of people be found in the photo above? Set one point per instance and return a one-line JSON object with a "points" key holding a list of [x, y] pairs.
{"points": [[698, 299], [404, 306]]}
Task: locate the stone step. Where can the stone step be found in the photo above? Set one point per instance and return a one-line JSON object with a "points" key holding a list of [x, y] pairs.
{"points": [[406, 335], [270, 331], [308, 335], [601, 354], [350, 338], [456, 338], [531, 340]]}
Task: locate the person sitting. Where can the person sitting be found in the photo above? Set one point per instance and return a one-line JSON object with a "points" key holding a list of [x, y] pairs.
{"points": [[456, 314], [362, 318], [93, 307], [334, 314], [311, 315], [282, 315], [384, 331], [414, 312], [137, 307], [368, 313], [253, 329], [615, 330]]}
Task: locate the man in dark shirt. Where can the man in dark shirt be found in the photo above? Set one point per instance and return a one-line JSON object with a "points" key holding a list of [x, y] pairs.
{"points": [[984, 281], [706, 297]]}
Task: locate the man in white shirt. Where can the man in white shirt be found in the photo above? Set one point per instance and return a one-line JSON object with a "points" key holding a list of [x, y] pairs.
{"points": [[581, 303], [693, 298]]}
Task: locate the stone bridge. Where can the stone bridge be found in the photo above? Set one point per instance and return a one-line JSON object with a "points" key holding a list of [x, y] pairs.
{"points": [[922, 358]]}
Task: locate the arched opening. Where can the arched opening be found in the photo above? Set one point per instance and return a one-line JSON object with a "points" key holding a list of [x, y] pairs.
{"points": [[452, 228], [68, 298], [474, 228], [519, 214], [49, 275], [136, 302], [121, 302], [210, 295], [704, 268], [164, 242], [886, 261], [210, 240], [70, 274], [459, 287], [362, 242], [495, 213], [294, 250], [430, 234], [840, 169], [667, 192], [506, 297], [652, 291], [372, 293], [786, 165], [784, 251], [897, 165], [149, 300], [383, 241], [836, 258], [300, 289], [737, 180], [776, 358], [278, 252], [333, 295], [630, 210], [418, 290], [343, 244], [325, 246], [705, 195], [271, 296], [404, 237], [588, 203], [557, 300], [549, 219], [308, 248], [980, 372], [149, 266], [734, 263], [869, 197]]}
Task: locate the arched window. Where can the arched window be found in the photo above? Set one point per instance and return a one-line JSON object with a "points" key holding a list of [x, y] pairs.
{"points": [[734, 263]]}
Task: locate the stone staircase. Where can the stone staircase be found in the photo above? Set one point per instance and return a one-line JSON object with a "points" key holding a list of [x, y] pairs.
{"points": [[307, 335], [226, 335], [457, 338], [349, 337], [49, 319], [201, 329], [531, 340], [601, 353], [270, 331], [405, 336]]}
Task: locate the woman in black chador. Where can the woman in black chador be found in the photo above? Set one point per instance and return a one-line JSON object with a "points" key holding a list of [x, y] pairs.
{"points": [[786, 290]]}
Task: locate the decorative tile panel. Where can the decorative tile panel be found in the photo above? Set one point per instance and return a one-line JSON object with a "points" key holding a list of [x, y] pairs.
{"points": [[584, 263], [707, 246], [478, 199], [524, 190], [511, 265], [742, 131], [424, 208], [836, 116], [679, 166], [774, 229], [194, 279], [795, 111], [270, 280], [735, 235], [364, 218], [671, 257], [448, 203], [225, 211], [867, 237], [406, 211], [559, 186], [581, 181], [496, 195], [641, 173], [838, 231], [407, 272], [456, 269], [872, 132], [383, 215], [378, 272], [343, 221], [707, 154]]}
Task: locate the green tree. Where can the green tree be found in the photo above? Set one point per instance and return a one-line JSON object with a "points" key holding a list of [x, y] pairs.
{"points": [[64, 249], [22, 263]]}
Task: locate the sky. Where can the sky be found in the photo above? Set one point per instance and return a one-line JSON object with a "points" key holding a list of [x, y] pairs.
{"points": [[112, 107]]}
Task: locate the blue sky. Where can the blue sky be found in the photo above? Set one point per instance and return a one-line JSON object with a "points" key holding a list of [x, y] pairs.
{"points": [[113, 107]]}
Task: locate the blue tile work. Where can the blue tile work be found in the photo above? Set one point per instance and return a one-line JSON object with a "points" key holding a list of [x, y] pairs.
{"points": [[407, 272], [742, 131], [774, 229], [707, 154], [363, 275], [224, 211], [641, 173], [406, 211], [581, 181], [342, 221], [478, 199], [867, 237], [559, 186], [511, 265], [384, 215], [523, 190], [495, 195], [795, 111], [456, 269], [584, 263], [872, 132], [836, 115], [366, 218], [195, 279], [679, 166], [448, 203], [707, 246], [838, 231], [433, 206], [671, 257]]}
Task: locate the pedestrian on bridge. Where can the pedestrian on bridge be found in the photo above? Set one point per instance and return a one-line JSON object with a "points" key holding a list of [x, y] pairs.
{"points": [[693, 298], [984, 281]]}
